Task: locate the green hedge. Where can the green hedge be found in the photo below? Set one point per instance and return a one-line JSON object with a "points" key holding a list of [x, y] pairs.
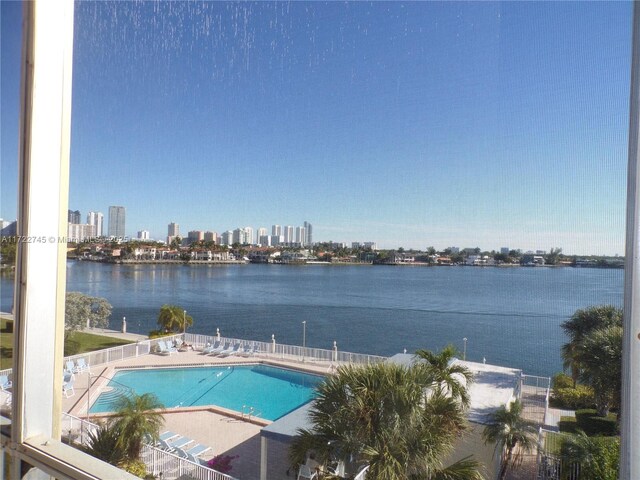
{"points": [[589, 421], [565, 395]]}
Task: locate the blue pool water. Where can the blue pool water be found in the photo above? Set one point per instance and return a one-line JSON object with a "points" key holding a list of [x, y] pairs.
{"points": [[271, 392]]}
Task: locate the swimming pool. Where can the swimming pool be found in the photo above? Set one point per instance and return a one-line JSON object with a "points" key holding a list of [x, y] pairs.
{"points": [[270, 391]]}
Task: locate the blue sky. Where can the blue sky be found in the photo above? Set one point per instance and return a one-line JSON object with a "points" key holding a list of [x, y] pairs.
{"points": [[467, 124]]}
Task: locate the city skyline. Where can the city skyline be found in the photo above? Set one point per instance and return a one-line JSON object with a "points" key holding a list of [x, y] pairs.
{"points": [[407, 124]]}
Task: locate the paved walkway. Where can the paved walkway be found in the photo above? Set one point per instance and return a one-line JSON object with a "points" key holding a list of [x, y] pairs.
{"points": [[134, 337]]}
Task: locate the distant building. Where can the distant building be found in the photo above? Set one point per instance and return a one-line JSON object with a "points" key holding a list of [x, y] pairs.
{"points": [[195, 236], [454, 249], [301, 236], [309, 229], [74, 216], [80, 232], [264, 240], [288, 234], [262, 232], [505, 250], [242, 236], [97, 219], [276, 240], [276, 230], [371, 245], [116, 221], [211, 237], [541, 252], [227, 238], [173, 230], [143, 235]]}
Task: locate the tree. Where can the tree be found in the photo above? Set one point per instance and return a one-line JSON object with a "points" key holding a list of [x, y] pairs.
{"points": [[137, 420], [81, 309], [598, 457], [103, 443], [579, 326], [600, 356], [509, 431], [380, 415], [173, 318], [451, 378], [553, 256]]}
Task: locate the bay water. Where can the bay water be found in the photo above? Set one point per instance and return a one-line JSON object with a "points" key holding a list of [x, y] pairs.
{"points": [[510, 316]]}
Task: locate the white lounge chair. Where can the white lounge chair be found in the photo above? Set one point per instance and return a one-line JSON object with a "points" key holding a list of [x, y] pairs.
{"points": [[167, 435], [220, 349], [245, 351], [306, 472], [82, 366], [69, 367], [67, 389], [230, 351], [180, 442], [5, 383], [164, 349], [210, 348]]}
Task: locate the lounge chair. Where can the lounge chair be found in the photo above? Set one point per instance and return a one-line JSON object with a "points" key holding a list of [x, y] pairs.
{"points": [[5, 383], [220, 349], [245, 351], [167, 435], [82, 366], [210, 348], [230, 351], [306, 472], [69, 367], [164, 445], [164, 349], [67, 389], [198, 450], [180, 442]]}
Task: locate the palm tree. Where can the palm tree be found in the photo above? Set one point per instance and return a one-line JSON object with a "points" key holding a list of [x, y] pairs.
{"points": [[137, 420], [102, 443], [580, 325], [510, 432], [598, 457], [381, 415], [601, 366], [453, 378], [173, 318]]}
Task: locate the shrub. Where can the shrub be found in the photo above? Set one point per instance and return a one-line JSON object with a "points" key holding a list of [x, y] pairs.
{"points": [[135, 467], [588, 421], [561, 380], [222, 463], [598, 457], [573, 398]]}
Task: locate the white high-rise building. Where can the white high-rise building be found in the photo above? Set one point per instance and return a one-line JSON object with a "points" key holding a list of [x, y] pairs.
{"points": [[309, 230], [276, 230], [264, 240], [261, 233], [117, 222], [301, 236], [97, 219], [79, 232], [227, 238], [248, 234], [288, 234], [143, 235]]}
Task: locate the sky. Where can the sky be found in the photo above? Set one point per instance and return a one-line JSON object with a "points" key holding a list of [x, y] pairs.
{"points": [[407, 124]]}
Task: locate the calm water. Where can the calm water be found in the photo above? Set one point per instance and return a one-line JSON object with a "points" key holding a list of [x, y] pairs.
{"points": [[510, 316], [233, 387]]}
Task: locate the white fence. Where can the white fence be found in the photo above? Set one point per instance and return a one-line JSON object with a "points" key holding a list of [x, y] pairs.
{"points": [[159, 462], [291, 352], [551, 466]]}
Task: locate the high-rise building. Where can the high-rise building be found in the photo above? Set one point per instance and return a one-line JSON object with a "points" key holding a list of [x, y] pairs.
{"points": [[309, 230], [74, 216], [276, 230], [301, 236], [262, 232], [211, 237], [505, 250], [195, 236], [227, 238], [288, 234], [173, 230], [116, 221], [143, 235], [97, 219], [264, 240], [248, 235], [79, 232]]}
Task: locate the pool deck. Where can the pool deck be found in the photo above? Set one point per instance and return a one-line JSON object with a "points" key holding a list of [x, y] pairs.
{"points": [[225, 432]]}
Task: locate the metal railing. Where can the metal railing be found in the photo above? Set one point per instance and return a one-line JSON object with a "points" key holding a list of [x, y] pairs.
{"points": [[291, 352], [534, 394], [158, 462], [551, 466]]}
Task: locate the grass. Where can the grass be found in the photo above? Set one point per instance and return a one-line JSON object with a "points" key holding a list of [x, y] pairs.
{"points": [[589, 421], [84, 342]]}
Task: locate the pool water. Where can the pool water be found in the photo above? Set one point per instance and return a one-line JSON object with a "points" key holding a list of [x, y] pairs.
{"points": [[270, 391]]}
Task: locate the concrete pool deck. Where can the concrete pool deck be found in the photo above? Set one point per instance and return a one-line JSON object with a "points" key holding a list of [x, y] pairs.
{"points": [[225, 432]]}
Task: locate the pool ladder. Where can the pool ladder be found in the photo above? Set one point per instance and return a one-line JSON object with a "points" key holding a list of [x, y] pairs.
{"points": [[248, 412]]}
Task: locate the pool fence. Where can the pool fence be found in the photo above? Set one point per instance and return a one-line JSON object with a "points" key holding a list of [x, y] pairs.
{"points": [[159, 463]]}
